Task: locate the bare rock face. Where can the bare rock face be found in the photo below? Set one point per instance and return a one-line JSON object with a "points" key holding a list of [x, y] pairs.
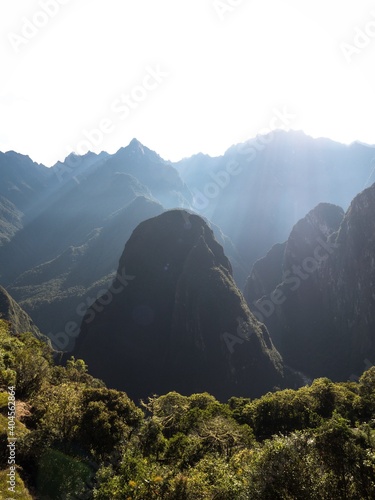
{"points": [[173, 319], [316, 292]]}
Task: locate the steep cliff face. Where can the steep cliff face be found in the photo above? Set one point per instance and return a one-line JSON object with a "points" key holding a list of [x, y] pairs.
{"points": [[12, 312], [305, 237], [316, 293], [351, 278], [174, 319]]}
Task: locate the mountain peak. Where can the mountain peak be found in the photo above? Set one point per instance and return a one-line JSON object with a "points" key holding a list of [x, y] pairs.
{"points": [[169, 324], [136, 145]]}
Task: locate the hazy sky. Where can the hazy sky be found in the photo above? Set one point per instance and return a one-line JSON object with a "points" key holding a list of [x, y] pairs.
{"points": [[182, 76]]}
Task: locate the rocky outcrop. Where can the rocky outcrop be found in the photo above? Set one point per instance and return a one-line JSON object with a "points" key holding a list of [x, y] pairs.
{"points": [[174, 319], [20, 322]]}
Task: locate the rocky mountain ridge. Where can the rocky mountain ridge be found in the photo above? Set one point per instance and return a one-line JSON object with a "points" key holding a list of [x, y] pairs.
{"points": [[316, 292]]}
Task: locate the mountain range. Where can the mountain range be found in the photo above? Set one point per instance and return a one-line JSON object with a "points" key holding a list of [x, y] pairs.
{"points": [[277, 221]]}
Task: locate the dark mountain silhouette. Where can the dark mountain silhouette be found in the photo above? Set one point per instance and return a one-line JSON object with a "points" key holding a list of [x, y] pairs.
{"points": [[269, 272], [171, 316], [316, 292]]}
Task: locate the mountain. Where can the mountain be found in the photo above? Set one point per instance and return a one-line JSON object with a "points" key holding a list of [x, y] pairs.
{"points": [[55, 223], [316, 292], [259, 189], [68, 251], [22, 184], [75, 166], [20, 322], [158, 175], [173, 318], [86, 201], [59, 263], [269, 272], [10, 220], [68, 220], [22, 180], [80, 274]]}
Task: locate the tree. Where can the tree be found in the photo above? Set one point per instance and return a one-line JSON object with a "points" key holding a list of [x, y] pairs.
{"points": [[59, 409], [223, 436], [108, 419], [282, 469], [152, 439], [350, 468], [323, 391], [169, 410], [281, 412], [75, 370], [24, 362], [367, 394]]}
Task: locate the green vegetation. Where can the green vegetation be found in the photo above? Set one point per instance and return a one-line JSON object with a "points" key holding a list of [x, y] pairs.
{"points": [[78, 439]]}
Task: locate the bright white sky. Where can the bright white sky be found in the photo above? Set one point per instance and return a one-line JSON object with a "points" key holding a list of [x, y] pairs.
{"points": [[225, 73]]}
